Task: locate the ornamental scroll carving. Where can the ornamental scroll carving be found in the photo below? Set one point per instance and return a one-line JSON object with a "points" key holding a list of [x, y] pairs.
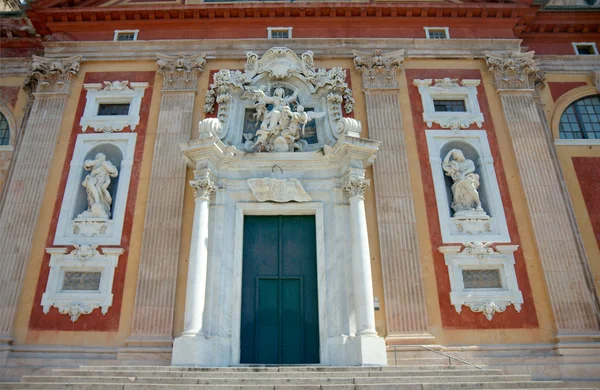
{"points": [[379, 69], [203, 187], [180, 72], [279, 85], [51, 74], [514, 70], [356, 187]]}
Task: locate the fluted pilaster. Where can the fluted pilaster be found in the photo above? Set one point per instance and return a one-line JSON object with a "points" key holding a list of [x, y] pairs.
{"points": [[406, 311], [49, 81]]}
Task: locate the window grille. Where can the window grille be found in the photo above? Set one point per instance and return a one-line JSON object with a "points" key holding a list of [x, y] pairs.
{"points": [[481, 278], [581, 120], [113, 109], [449, 106], [4, 131]]}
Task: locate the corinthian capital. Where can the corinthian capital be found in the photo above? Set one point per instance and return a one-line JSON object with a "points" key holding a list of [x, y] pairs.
{"points": [[514, 70], [378, 70], [356, 187], [180, 72], [51, 74], [203, 187]]}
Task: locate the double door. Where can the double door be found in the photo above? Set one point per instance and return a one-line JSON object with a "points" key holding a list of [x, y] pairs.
{"points": [[280, 321]]}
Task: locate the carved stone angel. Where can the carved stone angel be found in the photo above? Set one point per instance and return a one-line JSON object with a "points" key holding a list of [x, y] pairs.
{"points": [[466, 182], [96, 184]]}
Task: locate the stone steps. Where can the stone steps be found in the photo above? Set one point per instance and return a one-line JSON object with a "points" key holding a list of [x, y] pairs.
{"points": [[427, 377]]}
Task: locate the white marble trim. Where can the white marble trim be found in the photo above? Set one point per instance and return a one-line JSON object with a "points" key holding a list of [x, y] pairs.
{"points": [[291, 208]]}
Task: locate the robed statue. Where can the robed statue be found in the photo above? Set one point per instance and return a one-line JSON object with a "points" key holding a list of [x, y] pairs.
{"points": [[466, 182], [96, 184]]}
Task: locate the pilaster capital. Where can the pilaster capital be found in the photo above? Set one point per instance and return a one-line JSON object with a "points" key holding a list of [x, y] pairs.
{"points": [[514, 70], [356, 187], [596, 79], [51, 75], [180, 72], [203, 187], [378, 69]]}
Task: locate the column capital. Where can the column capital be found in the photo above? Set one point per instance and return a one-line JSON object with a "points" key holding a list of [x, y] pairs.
{"points": [[180, 73], [356, 187], [51, 75], [203, 187], [379, 69], [514, 70]]}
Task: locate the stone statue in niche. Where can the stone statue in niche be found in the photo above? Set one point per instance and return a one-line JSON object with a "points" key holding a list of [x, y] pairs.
{"points": [[280, 126], [466, 182], [96, 184]]}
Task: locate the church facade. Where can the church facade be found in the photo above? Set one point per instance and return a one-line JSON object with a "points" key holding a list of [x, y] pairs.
{"points": [[225, 183]]}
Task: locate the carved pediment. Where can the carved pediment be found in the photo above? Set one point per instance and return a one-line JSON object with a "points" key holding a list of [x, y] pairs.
{"points": [[280, 95]]}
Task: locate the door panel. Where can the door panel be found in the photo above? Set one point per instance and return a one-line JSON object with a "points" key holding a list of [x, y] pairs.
{"points": [[279, 291]]}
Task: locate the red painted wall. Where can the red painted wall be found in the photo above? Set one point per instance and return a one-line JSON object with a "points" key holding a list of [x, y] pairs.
{"points": [[96, 321], [588, 174], [559, 89], [467, 319]]}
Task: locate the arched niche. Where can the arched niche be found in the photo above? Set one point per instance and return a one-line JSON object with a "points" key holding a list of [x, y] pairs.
{"points": [[115, 156]]}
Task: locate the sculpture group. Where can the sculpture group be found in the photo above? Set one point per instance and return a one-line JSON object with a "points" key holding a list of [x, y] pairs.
{"points": [[281, 128]]}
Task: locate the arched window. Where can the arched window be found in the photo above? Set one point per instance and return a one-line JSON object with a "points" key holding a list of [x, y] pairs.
{"points": [[581, 120], [4, 131]]}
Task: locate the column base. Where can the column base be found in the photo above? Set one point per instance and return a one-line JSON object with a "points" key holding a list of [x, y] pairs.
{"points": [[358, 351], [200, 351]]}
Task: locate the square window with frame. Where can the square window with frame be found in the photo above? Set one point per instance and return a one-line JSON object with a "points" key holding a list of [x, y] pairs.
{"points": [[279, 32], [113, 109], [449, 105], [125, 35], [437, 33], [585, 48]]}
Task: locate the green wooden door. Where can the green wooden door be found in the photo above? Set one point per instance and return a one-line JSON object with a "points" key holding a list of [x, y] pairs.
{"points": [[280, 319]]}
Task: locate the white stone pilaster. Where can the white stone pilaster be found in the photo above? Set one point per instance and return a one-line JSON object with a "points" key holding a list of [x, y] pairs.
{"points": [[563, 259], [406, 311], [157, 278], [49, 81]]}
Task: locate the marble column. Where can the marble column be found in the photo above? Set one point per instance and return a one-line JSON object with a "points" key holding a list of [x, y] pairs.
{"points": [[49, 81], [361, 259], [157, 277], [193, 347], [563, 259], [405, 306]]}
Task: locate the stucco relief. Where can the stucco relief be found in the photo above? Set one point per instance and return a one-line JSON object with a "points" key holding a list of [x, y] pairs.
{"points": [[180, 72], [514, 70], [276, 190], [51, 74], [284, 94]]}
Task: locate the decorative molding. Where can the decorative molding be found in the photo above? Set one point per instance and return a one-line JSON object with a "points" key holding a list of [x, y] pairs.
{"points": [[82, 259], [379, 70], [51, 75], [276, 190], [324, 91], [180, 72], [446, 89], [203, 187], [356, 187], [466, 222], [479, 256], [78, 223], [514, 70], [596, 79], [112, 92]]}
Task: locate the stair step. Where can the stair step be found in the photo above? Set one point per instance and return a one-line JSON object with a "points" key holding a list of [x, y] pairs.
{"points": [[270, 374], [280, 368]]}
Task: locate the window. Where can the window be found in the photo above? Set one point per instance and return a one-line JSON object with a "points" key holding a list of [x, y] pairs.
{"points": [[481, 278], [585, 48], [4, 131], [126, 35], [113, 109], [437, 32], [449, 106], [81, 281], [279, 32], [581, 120]]}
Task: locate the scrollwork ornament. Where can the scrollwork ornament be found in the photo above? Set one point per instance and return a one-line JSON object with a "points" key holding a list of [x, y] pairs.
{"points": [[203, 188], [356, 187], [180, 72], [51, 74], [84, 252], [488, 308], [75, 310], [478, 249]]}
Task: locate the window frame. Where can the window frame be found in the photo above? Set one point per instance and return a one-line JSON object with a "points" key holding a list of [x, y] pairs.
{"points": [[270, 31], [590, 44], [585, 139], [134, 32], [428, 31]]}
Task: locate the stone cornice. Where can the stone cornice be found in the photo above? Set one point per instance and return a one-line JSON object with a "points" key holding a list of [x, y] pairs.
{"points": [[236, 48], [569, 63], [18, 66]]}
